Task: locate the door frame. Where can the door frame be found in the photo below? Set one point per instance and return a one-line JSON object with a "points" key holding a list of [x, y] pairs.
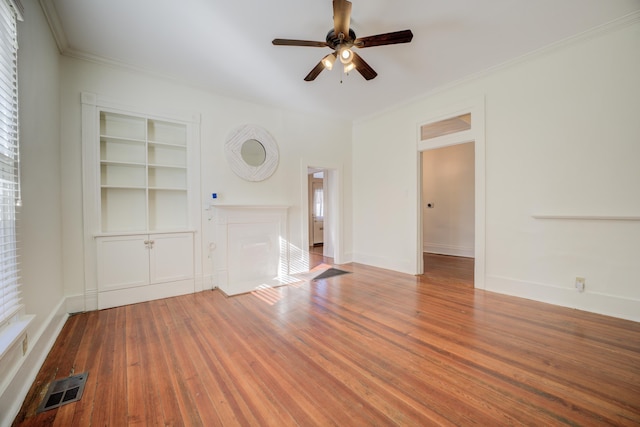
{"points": [[333, 177], [476, 134], [312, 225]]}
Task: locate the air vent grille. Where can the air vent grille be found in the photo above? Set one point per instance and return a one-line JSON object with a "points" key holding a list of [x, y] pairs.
{"points": [[63, 391]]}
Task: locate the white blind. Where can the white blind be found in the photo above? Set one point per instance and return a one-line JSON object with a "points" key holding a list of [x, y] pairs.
{"points": [[10, 301]]}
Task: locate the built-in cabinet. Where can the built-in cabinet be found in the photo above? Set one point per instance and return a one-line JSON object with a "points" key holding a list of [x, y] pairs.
{"points": [[159, 265], [140, 186]]}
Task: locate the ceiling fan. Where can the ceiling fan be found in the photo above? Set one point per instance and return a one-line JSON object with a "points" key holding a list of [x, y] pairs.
{"points": [[341, 39]]}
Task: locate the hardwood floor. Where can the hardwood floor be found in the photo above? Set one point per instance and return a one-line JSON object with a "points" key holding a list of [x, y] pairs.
{"points": [[369, 348]]}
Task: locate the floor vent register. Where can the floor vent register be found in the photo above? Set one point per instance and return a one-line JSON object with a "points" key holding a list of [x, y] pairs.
{"points": [[63, 391]]}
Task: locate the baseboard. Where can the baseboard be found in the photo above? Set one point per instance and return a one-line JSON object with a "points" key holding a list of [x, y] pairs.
{"points": [[120, 297], [401, 266], [76, 304], [23, 375], [437, 248], [204, 283], [594, 302], [347, 257]]}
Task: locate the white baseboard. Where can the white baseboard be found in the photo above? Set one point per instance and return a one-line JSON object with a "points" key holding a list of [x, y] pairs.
{"points": [[120, 297], [437, 248], [594, 302], [204, 283], [91, 300], [76, 304], [402, 266], [24, 374], [347, 257]]}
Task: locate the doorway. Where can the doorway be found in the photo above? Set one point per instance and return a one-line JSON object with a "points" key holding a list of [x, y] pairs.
{"points": [[316, 209], [448, 213], [321, 215], [460, 124]]}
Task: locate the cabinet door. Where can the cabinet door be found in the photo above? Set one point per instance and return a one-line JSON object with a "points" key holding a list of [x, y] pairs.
{"points": [[123, 262], [171, 257]]}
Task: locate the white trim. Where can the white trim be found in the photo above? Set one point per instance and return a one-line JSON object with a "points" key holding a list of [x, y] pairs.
{"points": [[237, 206], [18, 383], [13, 331], [149, 292], [337, 209], [51, 14], [441, 249], [475, 106], [75, 304], [594, 302], [107, 104], [588, 217], [136, 233]]}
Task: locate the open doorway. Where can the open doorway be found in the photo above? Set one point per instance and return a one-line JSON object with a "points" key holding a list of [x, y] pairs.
{"points": [[322, 211], [316, 210], [332, 246], [461, 126], [448, 212]]}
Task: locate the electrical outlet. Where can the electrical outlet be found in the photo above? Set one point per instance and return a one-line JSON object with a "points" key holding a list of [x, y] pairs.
{"points": [[580, 284], [25, 345]]}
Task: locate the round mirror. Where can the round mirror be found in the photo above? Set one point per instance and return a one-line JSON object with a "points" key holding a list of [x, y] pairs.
{"points": [[253, 152]]}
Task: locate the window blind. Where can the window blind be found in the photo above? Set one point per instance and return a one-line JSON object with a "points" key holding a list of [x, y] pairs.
{"points": [[10, 301]]}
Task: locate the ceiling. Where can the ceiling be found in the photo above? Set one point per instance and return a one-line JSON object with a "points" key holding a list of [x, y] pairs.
{"points": [[224, 46]]}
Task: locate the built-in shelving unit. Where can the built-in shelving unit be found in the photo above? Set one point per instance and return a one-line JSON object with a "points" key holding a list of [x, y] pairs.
{"points": [[141, 185], [143, 174]]}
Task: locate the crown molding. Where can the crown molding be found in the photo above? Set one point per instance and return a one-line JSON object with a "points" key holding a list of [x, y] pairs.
{"points": [[51, 14]]}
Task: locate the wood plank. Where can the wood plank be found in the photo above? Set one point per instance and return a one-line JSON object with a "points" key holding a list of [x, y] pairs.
{"points": [[373, 347]]}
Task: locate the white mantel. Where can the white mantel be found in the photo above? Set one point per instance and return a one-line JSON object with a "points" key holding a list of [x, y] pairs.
{"points": [[250, 247]]}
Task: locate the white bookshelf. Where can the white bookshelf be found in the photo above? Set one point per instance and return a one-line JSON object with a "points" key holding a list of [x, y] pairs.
{"points": [[143, 174], [141, 220]]}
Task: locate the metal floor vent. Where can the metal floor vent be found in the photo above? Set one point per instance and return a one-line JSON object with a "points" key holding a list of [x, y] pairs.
{"points": [[63, 391]]}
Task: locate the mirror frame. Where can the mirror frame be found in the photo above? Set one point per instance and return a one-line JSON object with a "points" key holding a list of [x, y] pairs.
{"points": [[233, 147]]}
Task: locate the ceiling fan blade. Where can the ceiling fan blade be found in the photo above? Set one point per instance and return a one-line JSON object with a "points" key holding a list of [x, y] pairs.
{"points": [[314, 73], [404, 36], [288, 42], [341, 16], [363, 68]]}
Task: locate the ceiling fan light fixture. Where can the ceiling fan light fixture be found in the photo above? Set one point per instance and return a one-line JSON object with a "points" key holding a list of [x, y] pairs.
{"points": [[348, 67], [328, 61], [342, 39], [346, 55]]}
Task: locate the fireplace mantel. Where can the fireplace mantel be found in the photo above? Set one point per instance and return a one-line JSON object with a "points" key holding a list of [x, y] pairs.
{"points": [[250, 248]]}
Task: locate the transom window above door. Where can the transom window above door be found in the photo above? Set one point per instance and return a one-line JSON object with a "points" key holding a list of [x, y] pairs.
{"points": [[445, 127]]}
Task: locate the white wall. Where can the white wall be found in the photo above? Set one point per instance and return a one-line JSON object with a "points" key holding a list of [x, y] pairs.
{"points": [[448, 178], [562, 137], [40, 235], [299, 136]]}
